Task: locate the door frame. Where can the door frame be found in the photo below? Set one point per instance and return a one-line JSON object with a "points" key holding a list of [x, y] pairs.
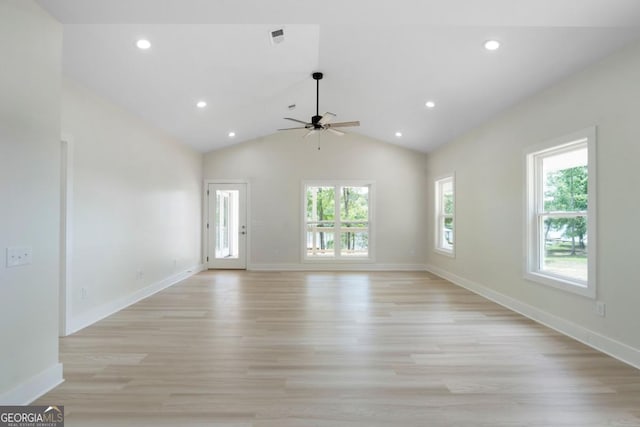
{"points": [[205, 218], [66, 235]]}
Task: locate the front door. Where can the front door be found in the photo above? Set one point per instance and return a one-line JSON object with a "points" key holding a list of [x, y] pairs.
{"points": [[227, 226]]}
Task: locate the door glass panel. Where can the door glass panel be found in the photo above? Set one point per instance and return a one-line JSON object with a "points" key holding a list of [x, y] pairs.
{"points": [[227, 224]]}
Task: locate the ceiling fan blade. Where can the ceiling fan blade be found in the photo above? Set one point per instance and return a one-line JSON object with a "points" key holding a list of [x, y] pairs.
{"points": [[326, 118], [311, 132], [337, 132], [301, 127], [342, 124], [297, 121]]}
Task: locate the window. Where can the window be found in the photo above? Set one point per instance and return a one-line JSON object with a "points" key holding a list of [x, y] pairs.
{"points": [[560, 213], [444, 215], [337, 221]]}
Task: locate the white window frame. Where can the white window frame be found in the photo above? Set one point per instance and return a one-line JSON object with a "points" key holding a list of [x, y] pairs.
{"points": [[534, 204], [440, 216], [337, 258]]}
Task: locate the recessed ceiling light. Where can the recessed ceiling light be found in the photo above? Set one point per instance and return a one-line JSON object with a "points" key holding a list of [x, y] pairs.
{"points": [[201, 104], [430, 104], [143, 44], [491, 44], [398, 134], [232, 134]]}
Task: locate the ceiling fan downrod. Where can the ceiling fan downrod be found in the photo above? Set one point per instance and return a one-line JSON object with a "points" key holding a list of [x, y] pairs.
{"points": [[316, 119], [320, 123]]}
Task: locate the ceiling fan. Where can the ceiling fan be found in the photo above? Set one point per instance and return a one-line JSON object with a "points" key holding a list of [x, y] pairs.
{"points": [[319, 123]]}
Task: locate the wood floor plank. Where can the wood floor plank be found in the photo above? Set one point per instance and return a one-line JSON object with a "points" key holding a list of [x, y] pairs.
{"points": [[254, 349]]}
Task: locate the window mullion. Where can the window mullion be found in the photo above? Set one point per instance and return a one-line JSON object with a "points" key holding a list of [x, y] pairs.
{"points": [[564, 214]]}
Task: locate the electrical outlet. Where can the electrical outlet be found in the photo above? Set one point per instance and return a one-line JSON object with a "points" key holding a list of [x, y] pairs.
{"points": [[19, 256], [83, 293], [600, 308], [139, 274]]}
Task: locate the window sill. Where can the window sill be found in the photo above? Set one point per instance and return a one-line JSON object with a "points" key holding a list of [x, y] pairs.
{"points": [[337, 260], [450, 254], [562, 284]]}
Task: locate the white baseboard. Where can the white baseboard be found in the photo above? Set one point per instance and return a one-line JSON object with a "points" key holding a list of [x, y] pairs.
{"points": [[105, 310], [336, 267], [613, 348], [34, 387]]}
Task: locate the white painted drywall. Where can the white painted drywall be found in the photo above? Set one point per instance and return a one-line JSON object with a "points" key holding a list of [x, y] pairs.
{"points": [[30, 70], [489, 167], [275, 167], [136, 202]]}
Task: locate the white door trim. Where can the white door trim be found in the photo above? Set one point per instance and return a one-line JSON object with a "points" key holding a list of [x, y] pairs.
{"points": [[66, 234], [205, 216]]}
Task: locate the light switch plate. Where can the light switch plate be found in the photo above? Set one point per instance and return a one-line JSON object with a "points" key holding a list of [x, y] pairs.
{"points": [[17, 256], [600, 308]]}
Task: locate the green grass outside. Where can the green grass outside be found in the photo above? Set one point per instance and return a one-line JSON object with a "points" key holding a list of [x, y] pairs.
{"points": [[558, 260]]}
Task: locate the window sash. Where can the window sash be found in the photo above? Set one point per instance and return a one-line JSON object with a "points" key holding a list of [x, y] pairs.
{"points": [[541, 214], [442, 219], [340, 226], [442, 216], [563, 214], [536, 215], [541, 243]]}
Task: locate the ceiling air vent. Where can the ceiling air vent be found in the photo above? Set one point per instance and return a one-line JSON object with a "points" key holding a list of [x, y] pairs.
{"points": [[277, 36]]}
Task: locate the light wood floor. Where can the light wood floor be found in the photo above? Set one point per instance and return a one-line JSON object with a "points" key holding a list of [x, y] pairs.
{"points": [[243, 349]]}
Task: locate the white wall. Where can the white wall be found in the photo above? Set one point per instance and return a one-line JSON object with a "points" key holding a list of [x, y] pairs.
{"points": [[30, 62], [275, 167], [489, 168], [136, 205]]}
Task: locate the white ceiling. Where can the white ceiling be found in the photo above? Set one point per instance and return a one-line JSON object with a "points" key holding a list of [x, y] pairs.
{"points": [[376, 70]]}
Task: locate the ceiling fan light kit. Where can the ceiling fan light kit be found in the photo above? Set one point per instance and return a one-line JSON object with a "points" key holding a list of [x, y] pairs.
{"points": [[320, 123]]}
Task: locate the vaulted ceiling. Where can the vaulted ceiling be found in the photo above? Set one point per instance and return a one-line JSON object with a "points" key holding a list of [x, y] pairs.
{"points": [[382, 60]]}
